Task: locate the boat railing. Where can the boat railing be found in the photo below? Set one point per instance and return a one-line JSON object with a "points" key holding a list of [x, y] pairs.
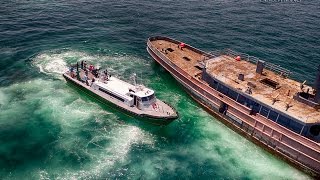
{"points": [[215, 53], [155, 109], [252, 59]]}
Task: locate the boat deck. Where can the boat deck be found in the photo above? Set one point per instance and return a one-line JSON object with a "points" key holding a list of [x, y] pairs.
{"points": [[226, 69], [186, 58]]}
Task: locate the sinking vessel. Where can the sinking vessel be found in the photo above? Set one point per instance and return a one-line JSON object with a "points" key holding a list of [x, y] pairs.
{"points": [[253, 97], [134, 99]]}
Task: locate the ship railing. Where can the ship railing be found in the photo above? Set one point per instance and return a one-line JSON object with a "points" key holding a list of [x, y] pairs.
{"points": [[156, 109], [215, 53], [252, 59]]}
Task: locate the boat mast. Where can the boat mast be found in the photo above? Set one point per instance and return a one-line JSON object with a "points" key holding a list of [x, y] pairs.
{"points": [[134, 79]]}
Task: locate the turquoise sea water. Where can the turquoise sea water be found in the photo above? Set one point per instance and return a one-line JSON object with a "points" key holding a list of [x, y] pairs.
{"points": [[51, 130]]}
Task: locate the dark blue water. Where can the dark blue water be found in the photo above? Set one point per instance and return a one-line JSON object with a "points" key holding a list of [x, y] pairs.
{"points": [[50, 130]]}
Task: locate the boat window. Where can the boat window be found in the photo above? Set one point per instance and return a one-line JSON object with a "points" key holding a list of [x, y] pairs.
{"points": [[306, 95], [212, 83], [295, 126], [232, 94], [151, 97], [271, 83], [241, 99], [256, 107], [144, 99], [215, 84], [273, 115], [283, 120], [120, 99], [148, 98], [264, 111], [315, 130], [223, 89], [249, 103]]}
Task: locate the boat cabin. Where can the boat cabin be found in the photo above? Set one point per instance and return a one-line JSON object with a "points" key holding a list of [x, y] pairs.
{"points": [[143, 97], [114, 92], [131, 95]]}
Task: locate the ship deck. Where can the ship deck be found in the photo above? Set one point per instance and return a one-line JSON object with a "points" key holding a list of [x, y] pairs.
{"points": [[186, 59], [226, 69]]}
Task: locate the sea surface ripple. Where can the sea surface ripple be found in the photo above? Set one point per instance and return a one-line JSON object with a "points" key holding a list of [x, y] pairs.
{"points": [[51, 130]]}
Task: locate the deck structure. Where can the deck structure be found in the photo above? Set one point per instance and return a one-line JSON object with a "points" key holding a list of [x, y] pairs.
{"points": [[226, 69], [254, 98]]}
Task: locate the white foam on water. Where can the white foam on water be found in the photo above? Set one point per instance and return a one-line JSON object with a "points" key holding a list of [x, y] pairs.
{"points": [[213, 142], [121, 139], [3, 98], [50, 65], [43, 175], [239, 155], [60, 105], [55, 63]]}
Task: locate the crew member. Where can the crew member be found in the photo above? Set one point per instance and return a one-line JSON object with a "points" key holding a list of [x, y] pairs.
{"points": [[91, 67], [85, 64]]}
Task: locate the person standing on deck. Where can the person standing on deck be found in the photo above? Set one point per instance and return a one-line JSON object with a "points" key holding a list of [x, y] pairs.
{"points": [[85, 64], [81, 64], [91, 68], [92, 81], [85, 77]]}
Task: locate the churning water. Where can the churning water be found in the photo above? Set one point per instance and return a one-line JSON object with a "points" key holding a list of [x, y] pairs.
{"points": [[51, 130]]}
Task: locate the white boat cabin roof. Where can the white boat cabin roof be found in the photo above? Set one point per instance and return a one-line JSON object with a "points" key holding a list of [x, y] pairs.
{"points": [[124, 89], [141, 91]]}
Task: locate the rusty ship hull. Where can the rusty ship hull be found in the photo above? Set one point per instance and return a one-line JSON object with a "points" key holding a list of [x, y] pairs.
{"points": [[294, 148]]}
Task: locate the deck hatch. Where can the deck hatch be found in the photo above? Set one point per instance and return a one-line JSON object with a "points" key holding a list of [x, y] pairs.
{"points": [[170, 49], [186, 58], [270, 83]]}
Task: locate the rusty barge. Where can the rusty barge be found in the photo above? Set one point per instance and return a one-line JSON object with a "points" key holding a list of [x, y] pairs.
{"points": [[255, 98]]}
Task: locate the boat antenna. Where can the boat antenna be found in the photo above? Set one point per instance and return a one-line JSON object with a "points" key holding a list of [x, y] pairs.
{"points": [[134, 79]]}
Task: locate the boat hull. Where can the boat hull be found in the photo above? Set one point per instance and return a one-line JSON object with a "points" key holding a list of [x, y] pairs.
{"points": [[160, 121], [268, 135]]}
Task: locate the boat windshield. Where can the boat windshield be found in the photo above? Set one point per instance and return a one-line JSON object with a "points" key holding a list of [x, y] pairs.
{"points": [[148, 98]]}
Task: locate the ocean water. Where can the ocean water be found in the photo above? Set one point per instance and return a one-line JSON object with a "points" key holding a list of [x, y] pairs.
{"points": [[51, 130]]}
